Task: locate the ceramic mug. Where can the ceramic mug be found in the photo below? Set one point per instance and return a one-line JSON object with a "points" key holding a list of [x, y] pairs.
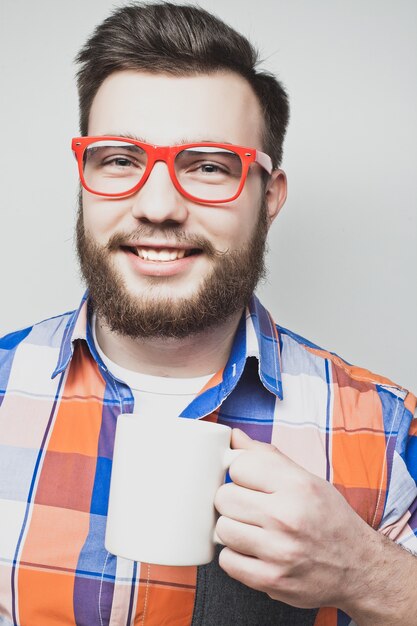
{"points": [[164, 479]]}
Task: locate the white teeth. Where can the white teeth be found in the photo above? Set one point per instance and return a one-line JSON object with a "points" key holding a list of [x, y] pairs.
{"points": [[164, 255], [149, 254]]}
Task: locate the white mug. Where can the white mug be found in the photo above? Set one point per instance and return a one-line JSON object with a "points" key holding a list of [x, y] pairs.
{"points": [[164, 479]]}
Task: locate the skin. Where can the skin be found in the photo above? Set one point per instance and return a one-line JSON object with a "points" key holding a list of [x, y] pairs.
{"points": [[335, 560]]}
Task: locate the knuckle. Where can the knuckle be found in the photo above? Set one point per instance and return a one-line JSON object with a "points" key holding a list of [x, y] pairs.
{"points": [[221, 525], [221, 497], [271, 580], [225, 559], [291, 556], [218, 500], [289, 519]]}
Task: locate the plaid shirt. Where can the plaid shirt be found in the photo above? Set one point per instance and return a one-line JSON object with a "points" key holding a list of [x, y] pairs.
{"points": [[58, 410]]}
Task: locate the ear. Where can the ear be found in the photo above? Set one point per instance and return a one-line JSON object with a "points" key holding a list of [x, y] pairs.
{"points": [[275, 193]]}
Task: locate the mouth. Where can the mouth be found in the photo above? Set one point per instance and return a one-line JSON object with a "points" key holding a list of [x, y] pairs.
{"points": [[161, 255]]}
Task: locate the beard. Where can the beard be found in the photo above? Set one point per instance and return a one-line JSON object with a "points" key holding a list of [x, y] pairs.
{"points": [[225, 290]]}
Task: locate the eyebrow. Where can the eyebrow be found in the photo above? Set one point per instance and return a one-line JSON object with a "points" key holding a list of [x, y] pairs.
{"points": [[177, 143]]}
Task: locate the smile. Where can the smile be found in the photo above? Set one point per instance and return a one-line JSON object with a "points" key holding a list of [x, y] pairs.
{"points": [[162, 254]]}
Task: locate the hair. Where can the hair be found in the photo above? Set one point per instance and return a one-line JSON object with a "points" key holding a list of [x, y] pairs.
{"points": [[180, 40]]}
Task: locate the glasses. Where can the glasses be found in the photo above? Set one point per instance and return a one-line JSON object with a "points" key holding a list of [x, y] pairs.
{"points": [[204, 172]]}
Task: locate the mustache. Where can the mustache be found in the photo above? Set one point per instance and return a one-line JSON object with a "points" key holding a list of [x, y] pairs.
{"points": [[170, 234]]}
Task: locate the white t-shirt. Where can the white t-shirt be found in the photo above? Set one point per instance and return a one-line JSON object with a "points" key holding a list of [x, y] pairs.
{"points": [[155, 395]]}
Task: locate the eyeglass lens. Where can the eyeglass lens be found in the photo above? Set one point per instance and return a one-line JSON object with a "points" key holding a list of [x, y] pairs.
{"points": [[205, 172]]}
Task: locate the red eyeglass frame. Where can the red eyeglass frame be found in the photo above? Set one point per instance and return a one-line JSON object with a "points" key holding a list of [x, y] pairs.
{"points": [[167, 154]]}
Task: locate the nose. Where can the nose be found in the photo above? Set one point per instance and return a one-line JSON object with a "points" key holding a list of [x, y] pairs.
{"points": [[158, 200]]}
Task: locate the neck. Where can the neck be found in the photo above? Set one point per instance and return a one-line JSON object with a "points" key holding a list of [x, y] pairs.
{"points": [[197, 355]]}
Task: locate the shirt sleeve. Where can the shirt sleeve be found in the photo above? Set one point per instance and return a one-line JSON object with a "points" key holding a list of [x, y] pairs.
{"points": [[399, 521]]}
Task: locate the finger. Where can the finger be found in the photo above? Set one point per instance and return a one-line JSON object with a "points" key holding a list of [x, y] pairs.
{"points": [[264, 468], [241, 504], [242, 440], [267, 577], [243, 538], [258, 469], [249, 570]]}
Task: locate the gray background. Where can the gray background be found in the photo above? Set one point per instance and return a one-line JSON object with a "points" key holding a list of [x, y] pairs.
{"points": [[343, 253]]}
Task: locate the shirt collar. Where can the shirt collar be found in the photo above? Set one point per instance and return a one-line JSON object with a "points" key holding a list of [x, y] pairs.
{"points": [[78, 327], [262, 341], [257, 336]]}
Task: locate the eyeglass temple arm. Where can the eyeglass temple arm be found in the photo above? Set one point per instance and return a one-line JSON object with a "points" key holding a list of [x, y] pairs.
{"points": [[264, 161]]}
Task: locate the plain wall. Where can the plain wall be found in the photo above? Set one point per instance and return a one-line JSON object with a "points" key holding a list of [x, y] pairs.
{"points": [[343, 253]]}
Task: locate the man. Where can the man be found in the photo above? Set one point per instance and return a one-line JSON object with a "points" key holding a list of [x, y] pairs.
{"points": [[179, 164]]}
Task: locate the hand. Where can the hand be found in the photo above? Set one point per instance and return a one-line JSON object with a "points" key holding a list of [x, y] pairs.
{"points": [[292, 535]]}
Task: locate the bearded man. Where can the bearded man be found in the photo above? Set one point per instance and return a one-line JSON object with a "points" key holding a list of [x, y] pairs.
{"points": [[179, 160]]}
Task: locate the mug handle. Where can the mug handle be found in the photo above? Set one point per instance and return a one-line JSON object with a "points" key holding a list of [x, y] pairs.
{"points": [[229, 457]]}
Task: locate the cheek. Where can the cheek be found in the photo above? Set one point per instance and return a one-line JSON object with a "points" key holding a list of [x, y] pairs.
{"points": [[232, 226], [102, 217]]}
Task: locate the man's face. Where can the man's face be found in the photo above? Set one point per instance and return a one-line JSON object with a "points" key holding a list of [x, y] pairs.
{"points": [[135, 251]]}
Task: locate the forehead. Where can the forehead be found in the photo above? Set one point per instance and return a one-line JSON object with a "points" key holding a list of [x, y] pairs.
{"points": [[166, 109]]}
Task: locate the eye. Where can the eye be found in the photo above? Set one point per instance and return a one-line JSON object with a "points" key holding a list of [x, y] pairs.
{"points": [[115, 158], [211, 168], [208, 167], [120, 161]]}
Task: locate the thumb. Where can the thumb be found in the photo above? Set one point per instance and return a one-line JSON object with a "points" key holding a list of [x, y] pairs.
{"points": [[242, 441]]}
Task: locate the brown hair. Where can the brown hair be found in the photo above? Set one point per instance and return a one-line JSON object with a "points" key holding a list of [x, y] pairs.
{"points": [[178, 40]]}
